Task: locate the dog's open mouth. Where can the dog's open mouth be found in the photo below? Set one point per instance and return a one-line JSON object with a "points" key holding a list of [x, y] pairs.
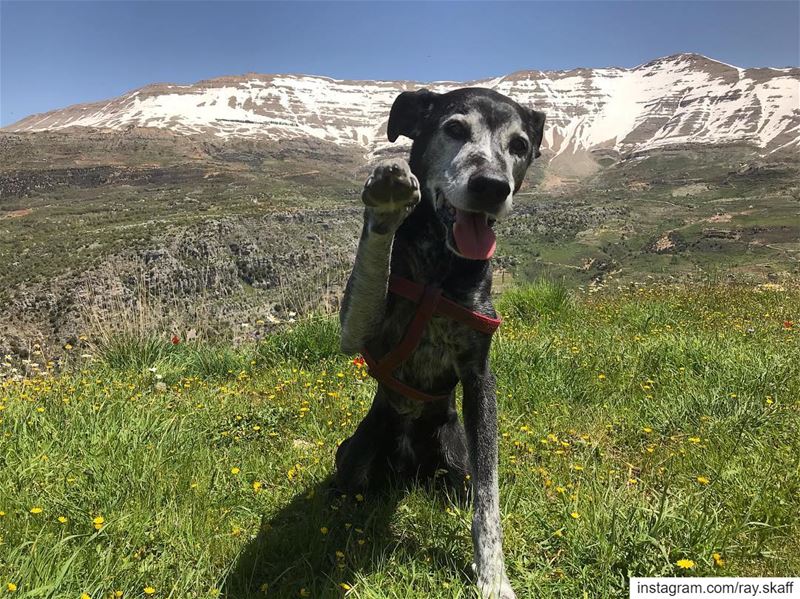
{"points": [[471, 231]]}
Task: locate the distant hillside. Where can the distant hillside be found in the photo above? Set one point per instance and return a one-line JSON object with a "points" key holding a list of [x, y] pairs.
{"points": [[680, 99], [241, 194]]}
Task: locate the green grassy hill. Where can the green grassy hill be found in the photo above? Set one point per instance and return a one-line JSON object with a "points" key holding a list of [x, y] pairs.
{"points": [[640, 429]]}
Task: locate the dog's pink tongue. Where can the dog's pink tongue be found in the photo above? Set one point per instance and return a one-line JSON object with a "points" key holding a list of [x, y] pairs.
{"points": [[474, 238]]}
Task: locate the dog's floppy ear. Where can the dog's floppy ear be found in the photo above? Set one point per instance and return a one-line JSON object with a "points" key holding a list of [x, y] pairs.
{"points": [[409, 111], [535, 130]]}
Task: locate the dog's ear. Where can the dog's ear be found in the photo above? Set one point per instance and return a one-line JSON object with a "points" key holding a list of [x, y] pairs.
{"points": [[535, 130], [409, 111]]}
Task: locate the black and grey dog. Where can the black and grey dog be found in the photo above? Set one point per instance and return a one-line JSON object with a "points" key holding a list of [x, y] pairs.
{"points": [[430, 221]]}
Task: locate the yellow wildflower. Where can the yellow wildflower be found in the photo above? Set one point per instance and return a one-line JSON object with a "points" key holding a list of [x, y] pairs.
{"points": [[686, 564]]}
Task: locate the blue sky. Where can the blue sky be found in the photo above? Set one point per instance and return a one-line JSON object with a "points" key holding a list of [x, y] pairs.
{"points": [[53, 54]]}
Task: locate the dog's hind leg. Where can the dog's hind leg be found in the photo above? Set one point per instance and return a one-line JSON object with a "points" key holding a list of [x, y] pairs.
{"points": [[390, 193], [363, 460], [480, 419], [452, 450], [431, 444]]}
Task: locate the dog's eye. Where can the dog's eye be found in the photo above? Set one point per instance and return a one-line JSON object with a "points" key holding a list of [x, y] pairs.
{"points": [[518, 146], [457, 130]]}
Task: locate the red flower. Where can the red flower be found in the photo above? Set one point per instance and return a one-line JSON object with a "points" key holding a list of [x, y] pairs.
{"points": [[358, 361], [788, 324], [175, 340]]}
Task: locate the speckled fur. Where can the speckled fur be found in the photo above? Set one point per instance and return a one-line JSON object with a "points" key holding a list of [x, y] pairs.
{"points": [[411, 237]]}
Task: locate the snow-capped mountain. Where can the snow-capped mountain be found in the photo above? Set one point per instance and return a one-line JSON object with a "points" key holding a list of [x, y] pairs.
{"points": [[680, 99]]}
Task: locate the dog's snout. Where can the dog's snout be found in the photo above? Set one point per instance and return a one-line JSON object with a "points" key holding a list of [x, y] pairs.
{"points": [[489, 187]]}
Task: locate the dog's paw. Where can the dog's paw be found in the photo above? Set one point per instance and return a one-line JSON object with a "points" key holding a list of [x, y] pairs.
{"points": [[391, 192]]}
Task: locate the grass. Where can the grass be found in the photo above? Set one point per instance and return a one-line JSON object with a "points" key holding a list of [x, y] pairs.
{"points": [[638, 428]]}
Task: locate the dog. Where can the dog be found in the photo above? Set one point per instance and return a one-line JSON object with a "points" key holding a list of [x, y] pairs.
{"points": [[429, 221]]}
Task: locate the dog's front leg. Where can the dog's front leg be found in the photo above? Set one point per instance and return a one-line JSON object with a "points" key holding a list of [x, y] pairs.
{"points": [[480, 420], [390, 193]]}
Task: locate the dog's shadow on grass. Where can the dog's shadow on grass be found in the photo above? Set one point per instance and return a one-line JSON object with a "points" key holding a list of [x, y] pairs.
{"points": [[314, 546]]}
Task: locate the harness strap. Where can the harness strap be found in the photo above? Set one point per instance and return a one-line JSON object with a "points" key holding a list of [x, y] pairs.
{"points": [[400, 387], [430, 302], [414, 291], [427, 306]]}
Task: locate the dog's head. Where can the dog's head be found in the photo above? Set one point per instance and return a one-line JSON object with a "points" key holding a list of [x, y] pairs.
{"points": [[471, 150]]}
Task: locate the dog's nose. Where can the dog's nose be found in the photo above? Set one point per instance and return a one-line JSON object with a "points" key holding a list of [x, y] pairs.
{"points": [[488, 187]]}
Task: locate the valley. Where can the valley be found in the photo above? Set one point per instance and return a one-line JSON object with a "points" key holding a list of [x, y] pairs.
{"points": [[211, 228]]}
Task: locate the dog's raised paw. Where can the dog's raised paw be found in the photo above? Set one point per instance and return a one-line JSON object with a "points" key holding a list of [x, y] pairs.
{"points": [[391, 187]]}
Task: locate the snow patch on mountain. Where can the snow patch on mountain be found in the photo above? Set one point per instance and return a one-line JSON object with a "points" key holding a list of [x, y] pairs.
{"points": [[680, 99]]}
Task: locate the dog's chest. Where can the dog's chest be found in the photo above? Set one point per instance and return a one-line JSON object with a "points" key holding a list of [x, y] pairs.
{"points": [[442, 341], [432, 366]]}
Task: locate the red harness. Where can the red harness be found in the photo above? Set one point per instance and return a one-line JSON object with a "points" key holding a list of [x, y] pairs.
{"points": [[430, 302]]}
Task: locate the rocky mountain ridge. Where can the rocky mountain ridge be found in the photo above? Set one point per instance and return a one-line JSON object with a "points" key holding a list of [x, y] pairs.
{"points": [[680, 99]]}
